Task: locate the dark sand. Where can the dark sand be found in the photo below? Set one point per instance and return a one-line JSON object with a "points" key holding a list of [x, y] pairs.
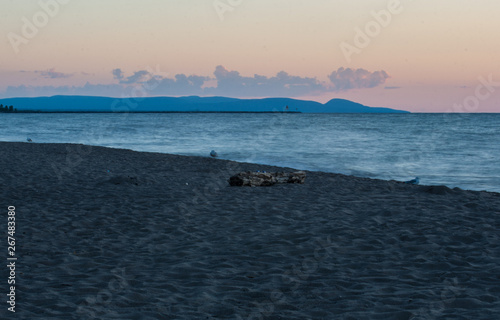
{"points": [[165, 237]]}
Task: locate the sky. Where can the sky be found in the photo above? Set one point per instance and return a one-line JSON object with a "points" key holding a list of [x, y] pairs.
{"points": [[415, 55]]}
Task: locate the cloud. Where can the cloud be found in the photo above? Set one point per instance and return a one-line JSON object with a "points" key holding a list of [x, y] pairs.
{"points": [[34, 91], [346, 79], [112, 90], [137, 77], [225, 83], [117, 74], [52, 74], [231, 83], [157, 84], [180, 85], [391, 88], [103, 90]]}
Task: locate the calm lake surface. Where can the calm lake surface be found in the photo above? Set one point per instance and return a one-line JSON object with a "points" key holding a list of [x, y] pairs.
{"points": [[457, 150]]}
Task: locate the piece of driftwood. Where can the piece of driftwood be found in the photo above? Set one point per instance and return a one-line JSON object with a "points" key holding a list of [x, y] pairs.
{"points": [[262, 179]]}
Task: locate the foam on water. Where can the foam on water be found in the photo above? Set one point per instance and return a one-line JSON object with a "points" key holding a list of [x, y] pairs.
{"points": [[458, 150]]}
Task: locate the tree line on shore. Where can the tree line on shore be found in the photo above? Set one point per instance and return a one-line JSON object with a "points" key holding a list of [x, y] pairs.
{"points": [[7, 109]]}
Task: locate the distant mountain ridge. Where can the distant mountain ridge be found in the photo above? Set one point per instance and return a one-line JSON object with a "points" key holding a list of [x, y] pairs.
{"points": [[186, 104]]}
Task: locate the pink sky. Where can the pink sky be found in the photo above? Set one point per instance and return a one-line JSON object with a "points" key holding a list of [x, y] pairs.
{"points": [[420, 56]]}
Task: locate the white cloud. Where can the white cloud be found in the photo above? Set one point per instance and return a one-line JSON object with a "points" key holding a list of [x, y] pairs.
{"points": [[52, 74], [225, 83], [346, 79]]}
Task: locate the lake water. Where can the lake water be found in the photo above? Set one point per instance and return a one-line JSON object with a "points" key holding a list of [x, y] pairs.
{"points": [[457, 150]]}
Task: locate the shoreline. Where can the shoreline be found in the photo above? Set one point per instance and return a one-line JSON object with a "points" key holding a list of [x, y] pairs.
{"points": [[119, 234], [276, 167]]}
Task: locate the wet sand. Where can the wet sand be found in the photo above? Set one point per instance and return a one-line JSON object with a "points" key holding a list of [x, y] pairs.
{"points": [[115, 234]]}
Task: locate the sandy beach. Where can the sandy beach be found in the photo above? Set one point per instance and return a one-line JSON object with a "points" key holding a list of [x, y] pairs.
{"points": [[115, 234]]}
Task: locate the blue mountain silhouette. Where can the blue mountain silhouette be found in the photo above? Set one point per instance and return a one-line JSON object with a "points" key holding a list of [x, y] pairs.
{"points": [[187, 104]]}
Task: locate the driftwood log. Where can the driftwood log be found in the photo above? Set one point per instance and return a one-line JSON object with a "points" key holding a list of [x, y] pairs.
{"points": [[256, 179]]}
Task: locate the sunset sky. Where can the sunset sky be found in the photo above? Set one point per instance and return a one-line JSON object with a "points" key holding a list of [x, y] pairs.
{"points": [[421, 56]]}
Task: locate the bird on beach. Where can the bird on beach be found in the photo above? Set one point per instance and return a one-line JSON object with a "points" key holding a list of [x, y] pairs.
{"points": [[213, 154], [413, 181], [29, 140]]}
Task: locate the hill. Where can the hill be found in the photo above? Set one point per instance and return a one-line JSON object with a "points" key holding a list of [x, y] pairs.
{"points": [[186, 104]]}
